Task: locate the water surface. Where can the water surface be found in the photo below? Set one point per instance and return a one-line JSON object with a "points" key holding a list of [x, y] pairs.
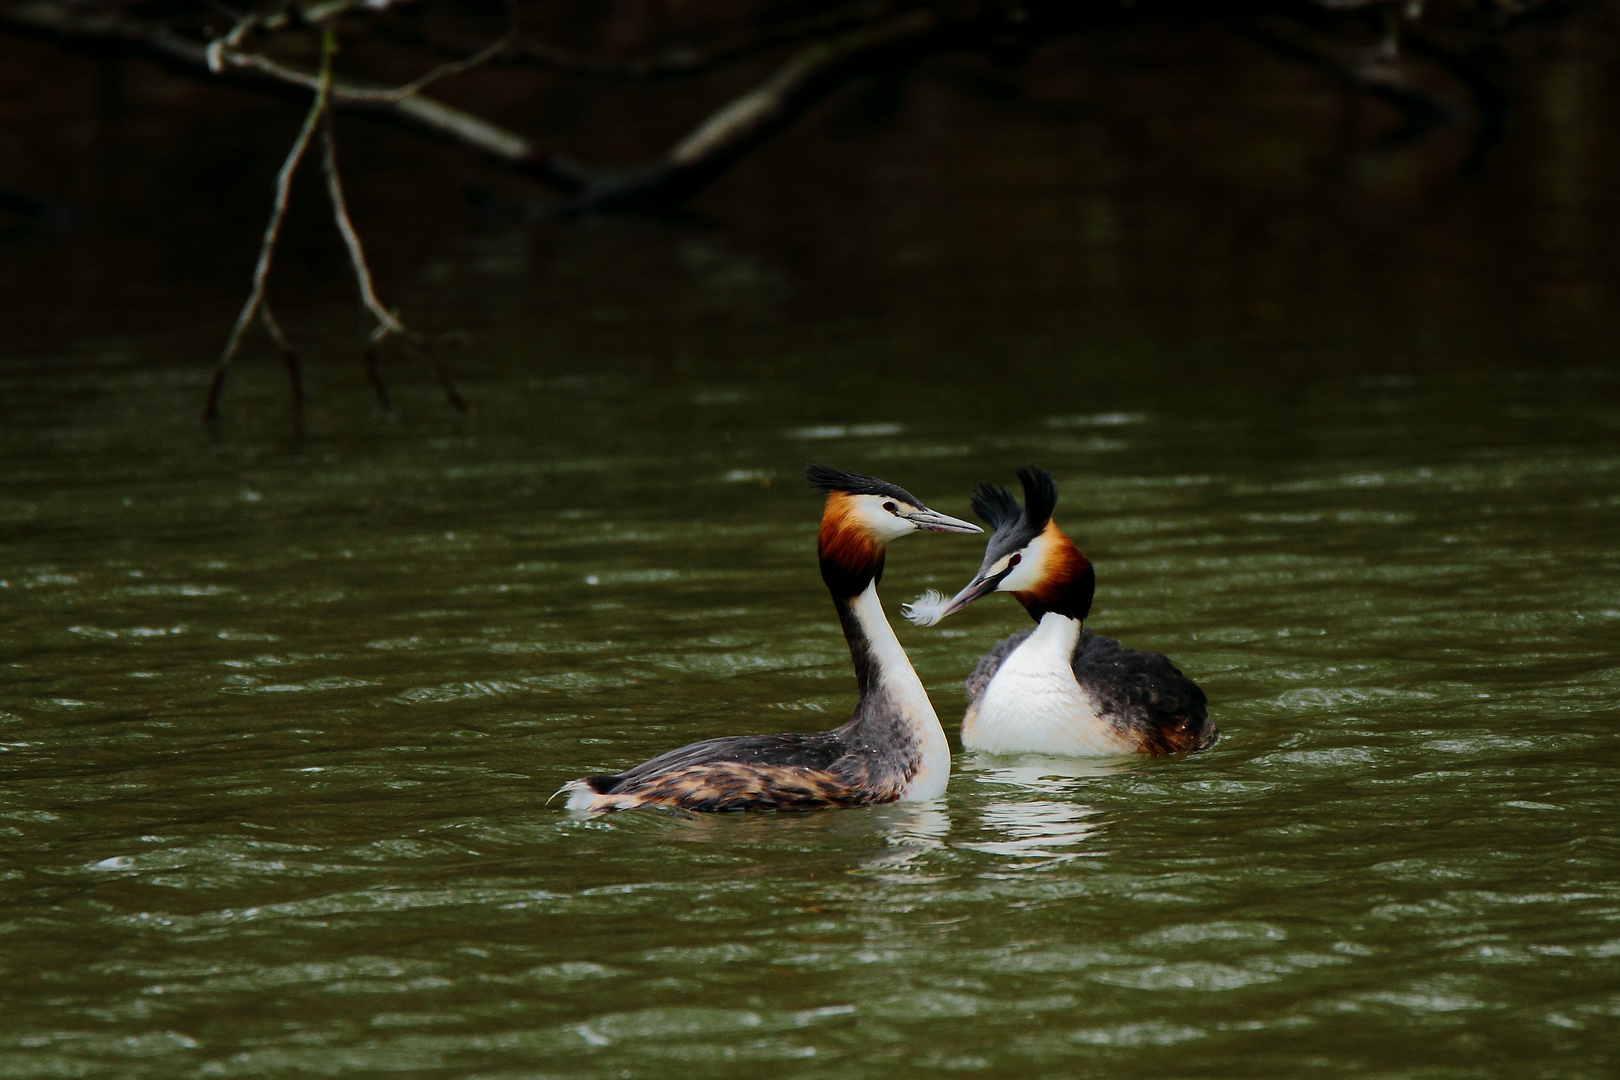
{"points": [[282, 714], [1340, 429]]}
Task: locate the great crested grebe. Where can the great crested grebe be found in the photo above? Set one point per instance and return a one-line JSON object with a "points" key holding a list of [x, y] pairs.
{"points": [[1059, 688], [891, 750]]}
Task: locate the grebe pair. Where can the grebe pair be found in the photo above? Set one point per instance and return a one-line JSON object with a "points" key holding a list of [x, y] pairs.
{"points": [[1057, 689]]}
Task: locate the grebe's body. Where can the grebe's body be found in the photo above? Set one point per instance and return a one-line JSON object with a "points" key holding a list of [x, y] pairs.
{"points": [[1060, 689], [891, 750]]}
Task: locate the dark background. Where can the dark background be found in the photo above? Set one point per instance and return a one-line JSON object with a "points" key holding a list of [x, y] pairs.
{"points": [[1168, 184]]}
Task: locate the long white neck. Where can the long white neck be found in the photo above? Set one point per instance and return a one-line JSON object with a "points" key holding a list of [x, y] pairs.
{"points": [[891, 675], [1054, 639]]}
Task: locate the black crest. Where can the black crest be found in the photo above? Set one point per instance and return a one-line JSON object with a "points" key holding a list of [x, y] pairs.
{"points": [[995, 505], [828, 478], [1014, 525], [1040, 496]]}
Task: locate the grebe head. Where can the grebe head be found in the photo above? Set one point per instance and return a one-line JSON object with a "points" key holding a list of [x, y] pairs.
{"points": [[1028, 556], [863, 514]]}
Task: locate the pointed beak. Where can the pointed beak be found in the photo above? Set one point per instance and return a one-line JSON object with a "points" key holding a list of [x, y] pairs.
{"points": [[979, 586], [933, 521]]}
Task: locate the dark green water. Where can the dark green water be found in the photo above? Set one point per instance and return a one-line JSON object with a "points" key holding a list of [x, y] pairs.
{"points": [[280, 718], [1340, 429]]}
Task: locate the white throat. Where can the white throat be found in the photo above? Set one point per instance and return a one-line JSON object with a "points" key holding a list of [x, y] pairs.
{"points": [[898, 681], [1033, 703]]}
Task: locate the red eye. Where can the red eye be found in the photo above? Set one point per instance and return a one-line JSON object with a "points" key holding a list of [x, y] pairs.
{"points": [[891, 508], [1014, 561]]}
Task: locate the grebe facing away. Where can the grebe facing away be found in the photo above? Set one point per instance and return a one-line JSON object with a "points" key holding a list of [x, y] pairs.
{"points": [[892, 749], [1059, 688]]}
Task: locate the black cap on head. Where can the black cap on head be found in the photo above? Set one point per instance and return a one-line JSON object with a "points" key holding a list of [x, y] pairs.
{"points": [[828, 478]]}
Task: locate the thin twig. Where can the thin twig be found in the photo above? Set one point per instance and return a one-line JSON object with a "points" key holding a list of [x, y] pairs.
{"points": [[387, 321], [289, 355], [232, 40], [224, 50], [456, 67], [272, 231]]}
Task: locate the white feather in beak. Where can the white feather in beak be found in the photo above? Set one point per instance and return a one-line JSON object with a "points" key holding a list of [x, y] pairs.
{"points": [[928, 609]]}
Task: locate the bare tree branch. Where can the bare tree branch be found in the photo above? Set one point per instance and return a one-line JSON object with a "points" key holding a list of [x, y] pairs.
{"points": [[741, 124], [843, 42], [387, 321], [289, 355], [215, 53], [272, 231], [1375, 71], [422, 113], [864, 35], [456, 67], [693, 164], [682, 60], [256, 306]]}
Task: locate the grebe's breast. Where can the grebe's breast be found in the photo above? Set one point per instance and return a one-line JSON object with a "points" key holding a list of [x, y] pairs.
{"points": [[1034, 704], [1060, 690]]}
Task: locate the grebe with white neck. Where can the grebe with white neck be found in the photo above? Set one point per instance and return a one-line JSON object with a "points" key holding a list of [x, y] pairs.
{"points": [[891, 750], [1060, 689]]}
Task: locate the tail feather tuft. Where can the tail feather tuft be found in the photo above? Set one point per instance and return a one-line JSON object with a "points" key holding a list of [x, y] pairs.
{"points": [[582, 795]]}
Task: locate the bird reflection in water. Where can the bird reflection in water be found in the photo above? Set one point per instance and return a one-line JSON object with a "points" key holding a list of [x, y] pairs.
{"points": [[1039, 833], [912, 831]]}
